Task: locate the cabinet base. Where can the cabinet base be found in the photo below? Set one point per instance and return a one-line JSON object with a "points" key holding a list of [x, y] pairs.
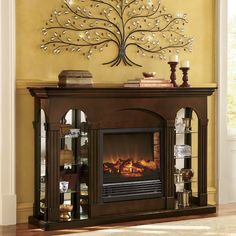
{"points": [[193, 210]]}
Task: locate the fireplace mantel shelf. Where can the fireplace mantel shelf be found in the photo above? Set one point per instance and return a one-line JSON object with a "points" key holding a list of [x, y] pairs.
{"points": [[106, 90]]}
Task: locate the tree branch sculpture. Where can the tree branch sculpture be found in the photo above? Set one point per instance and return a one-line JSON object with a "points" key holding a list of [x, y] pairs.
{"points": [[91, 25]]}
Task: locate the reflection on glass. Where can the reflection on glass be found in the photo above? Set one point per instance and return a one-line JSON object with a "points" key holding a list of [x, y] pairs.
{"points": [[42, 184], [186, 157]]}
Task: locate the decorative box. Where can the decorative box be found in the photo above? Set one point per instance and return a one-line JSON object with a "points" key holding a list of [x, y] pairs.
{"points": [[75, 78]]}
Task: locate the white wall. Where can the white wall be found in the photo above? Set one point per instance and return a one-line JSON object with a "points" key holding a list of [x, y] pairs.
{"points": [[226, 143], [7, 113]]}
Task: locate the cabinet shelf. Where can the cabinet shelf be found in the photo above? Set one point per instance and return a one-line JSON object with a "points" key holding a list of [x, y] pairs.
{"points": [[70, 191], [69, 166], [187, 182], [186, 132], [80, 217], [71, 136], [186, 157]]}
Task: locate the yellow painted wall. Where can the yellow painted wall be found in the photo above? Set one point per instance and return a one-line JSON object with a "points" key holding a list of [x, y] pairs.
{"points": [[34, 65]]}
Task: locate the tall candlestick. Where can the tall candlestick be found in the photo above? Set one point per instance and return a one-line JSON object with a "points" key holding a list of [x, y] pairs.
{"points": [[173, 65], [185, 77]]}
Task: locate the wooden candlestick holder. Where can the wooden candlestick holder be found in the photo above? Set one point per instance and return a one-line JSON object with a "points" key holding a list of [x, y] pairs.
{"points": [[185, 77], [173, 65]]}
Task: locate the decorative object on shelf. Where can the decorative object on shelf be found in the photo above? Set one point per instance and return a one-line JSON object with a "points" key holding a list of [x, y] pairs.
{"points": [[181, 151], [74, 133], [72, 180], [183, 198], [84, 189], [179, 126], [64, 186], [64, 127], [187, 174], [84, 149], [84, 128], [65, 210], [148, 81], [149, 74], [66, 157], [84, 205], [86, 26], [178, 178], [75, 78], [42, 205], [187, 124], [185, 67], [173, 62]]}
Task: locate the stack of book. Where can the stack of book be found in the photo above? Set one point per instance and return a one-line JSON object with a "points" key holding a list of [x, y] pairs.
{"points": [[75, 78], [148, 82]]}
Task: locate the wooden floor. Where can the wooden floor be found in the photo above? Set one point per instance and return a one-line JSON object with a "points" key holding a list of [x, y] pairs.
{"points": [[28, 230]]}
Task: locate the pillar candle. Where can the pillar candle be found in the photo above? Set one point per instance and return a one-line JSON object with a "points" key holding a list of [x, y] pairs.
{"points": [[185, 64], [173, 58]]}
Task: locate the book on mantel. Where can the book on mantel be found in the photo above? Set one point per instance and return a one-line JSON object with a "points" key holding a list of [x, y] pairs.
{"points": [[148, 82], [75, 78]]}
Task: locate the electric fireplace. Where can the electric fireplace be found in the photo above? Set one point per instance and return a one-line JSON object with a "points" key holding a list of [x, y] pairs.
{"points": [[131, 160], [129, 154]]}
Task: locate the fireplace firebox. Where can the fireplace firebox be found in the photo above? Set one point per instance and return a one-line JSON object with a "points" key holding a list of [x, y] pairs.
{"points": [[131, 160]]}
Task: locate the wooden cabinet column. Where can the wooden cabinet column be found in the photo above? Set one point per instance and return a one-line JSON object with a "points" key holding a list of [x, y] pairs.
{"points": [[52, 171], [169, 164], [202, 165]]}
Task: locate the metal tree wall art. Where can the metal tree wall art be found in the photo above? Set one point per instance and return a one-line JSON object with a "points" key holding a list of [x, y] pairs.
{"points": [[87, 26]]}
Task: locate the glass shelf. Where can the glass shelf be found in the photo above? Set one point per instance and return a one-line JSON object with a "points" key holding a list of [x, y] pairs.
{"points": [[185, 157], [83, 193], [81, 217], [187, 182], [69, 136], [69, 191], [69, 166], [186, 132]]}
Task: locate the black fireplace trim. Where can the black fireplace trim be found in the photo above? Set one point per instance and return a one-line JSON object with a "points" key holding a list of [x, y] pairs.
{"points": [[131, 130], [136, 190]]}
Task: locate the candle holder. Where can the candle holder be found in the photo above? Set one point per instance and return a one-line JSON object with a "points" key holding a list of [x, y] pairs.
{"points": [[185, 77], [173, 65]]}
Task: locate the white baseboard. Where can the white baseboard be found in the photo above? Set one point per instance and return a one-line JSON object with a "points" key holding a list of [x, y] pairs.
{"points": [[8, 206]]}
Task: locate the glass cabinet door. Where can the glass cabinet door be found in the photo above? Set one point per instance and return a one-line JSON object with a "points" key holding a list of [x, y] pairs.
{"points": [[73, 183], [186, 158], [42, 165]]}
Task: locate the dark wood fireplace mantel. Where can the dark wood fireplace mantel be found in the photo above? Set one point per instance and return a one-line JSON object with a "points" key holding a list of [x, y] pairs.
{"points": [[117, 108], [116, 90]]}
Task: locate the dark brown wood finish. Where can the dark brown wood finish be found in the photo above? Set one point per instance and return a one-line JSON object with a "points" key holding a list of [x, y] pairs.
{"points": [[53, 172], [37, 134], [202, 166], [117, 107], [169, 164]]}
